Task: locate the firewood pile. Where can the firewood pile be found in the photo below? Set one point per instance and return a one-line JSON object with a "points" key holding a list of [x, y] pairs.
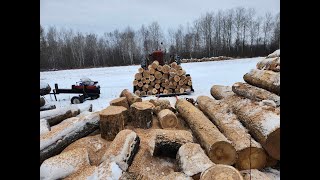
{"points": [[235, 134], [157, 79], [205, 59]]}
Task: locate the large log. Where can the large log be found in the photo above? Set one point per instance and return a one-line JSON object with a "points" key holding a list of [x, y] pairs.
{"points": [[250, 153], [254, 93], [192, 160], [64, 164], [132, 98], [272, 64], [263, 122], [122, 101], [265, 79], [161, 104], [112, 121], [220, 92], [47, 107], [141, 114], [65, 133], [219, 172], [254, 174], [123, 149], [167, 142], [217, 146], [55, 116], [167, 119], [44, 126]]}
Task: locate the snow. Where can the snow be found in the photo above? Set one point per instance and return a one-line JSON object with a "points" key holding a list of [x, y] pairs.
{"points": [[272, 173], [113, 80], [55, 112], [70, 126], [43, 84], [106, 170], [44, 126], [274, 54]]}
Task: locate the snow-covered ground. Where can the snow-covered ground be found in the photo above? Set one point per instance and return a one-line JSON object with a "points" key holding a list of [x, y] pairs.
{"points": [[113, 80]]}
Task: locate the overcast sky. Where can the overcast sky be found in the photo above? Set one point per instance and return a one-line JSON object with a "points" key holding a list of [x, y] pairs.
{"points": [[99, 16]]}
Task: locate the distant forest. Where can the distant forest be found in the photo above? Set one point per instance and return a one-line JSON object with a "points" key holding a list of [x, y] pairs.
{"points": [[237, 32]]}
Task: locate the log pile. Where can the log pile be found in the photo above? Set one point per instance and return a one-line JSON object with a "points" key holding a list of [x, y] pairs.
{"points": [[159, 79], [219, 58]]}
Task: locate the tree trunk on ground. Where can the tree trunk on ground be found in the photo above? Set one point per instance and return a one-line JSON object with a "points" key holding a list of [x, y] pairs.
{"points": [[192, 160], [167, 119], [123, 149], [141, 113], [254, 93], [122, 101], [250, 153], [167, 142], [220, 92], [55, 116], [112, 121], [65, 133], [262, 122], [265, 79], [47, 107], [254, 174], [217, 146], [219, 171], [132, 98], [272, 64]]}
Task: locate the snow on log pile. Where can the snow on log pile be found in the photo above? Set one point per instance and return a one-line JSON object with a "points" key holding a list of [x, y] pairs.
{"points": [[219, 58], [65, 133], [55, 116], [159, 79]]}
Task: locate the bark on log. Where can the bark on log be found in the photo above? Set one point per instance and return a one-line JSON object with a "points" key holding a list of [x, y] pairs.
{"points": [[265, 79], [220, 92], [166, 143], [65, 133], [141, 113], [254, 174], [112, 121], [250, 153], [122, 101], [262, 122], [217, 146], [123, 149], [254, 93], [272, 64], [219, 171], [132, 98], [167, 119], [192, 160], [47, 107], [55, 116]]}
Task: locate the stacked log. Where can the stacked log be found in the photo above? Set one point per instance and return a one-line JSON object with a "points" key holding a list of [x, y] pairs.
{"points": [[220, 92], [141, 114], [131, 98], [219, 58], [250, 153], [217, 146], [272, 64], [159, 79], [221, 171]]}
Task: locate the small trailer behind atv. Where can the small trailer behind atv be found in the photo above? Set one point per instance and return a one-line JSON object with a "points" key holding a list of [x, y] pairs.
{"points": [[87, 90]]}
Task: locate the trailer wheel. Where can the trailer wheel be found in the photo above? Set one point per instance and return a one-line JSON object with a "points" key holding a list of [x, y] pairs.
{"points": [[76, 100]]}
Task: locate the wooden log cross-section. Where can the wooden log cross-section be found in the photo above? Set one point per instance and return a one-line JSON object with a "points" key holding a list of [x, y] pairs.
{"points": [[265, 79], [112, 121], [262, 122], [254, 174], [220, 171], [122, 101], [220, 92], [132, 98], [167, 119], [254, 93], [251, 155], [192, 160], [217, 146], [167, 142], [141, 114]]}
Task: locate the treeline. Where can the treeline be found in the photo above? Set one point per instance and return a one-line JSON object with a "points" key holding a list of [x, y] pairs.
{"points": [[235, 32]]}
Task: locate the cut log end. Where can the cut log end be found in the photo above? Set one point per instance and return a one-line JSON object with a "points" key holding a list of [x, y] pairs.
{"points": [[167, 119], [251, 158], [222, 153], [273, 144], [219, 171]]}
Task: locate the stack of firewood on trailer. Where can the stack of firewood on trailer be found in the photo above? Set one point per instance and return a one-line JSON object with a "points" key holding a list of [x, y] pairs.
{"points": [[157, 79], [233, 135]]}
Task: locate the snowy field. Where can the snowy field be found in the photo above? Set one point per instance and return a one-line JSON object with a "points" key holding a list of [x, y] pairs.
{"points": [[113, 80]]}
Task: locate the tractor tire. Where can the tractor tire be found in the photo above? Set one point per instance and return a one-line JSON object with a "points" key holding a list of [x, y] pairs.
{"points": [[76, 100]]}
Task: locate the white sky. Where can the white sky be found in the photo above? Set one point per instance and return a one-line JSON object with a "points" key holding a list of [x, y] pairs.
{"points": [[99, 16]]}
